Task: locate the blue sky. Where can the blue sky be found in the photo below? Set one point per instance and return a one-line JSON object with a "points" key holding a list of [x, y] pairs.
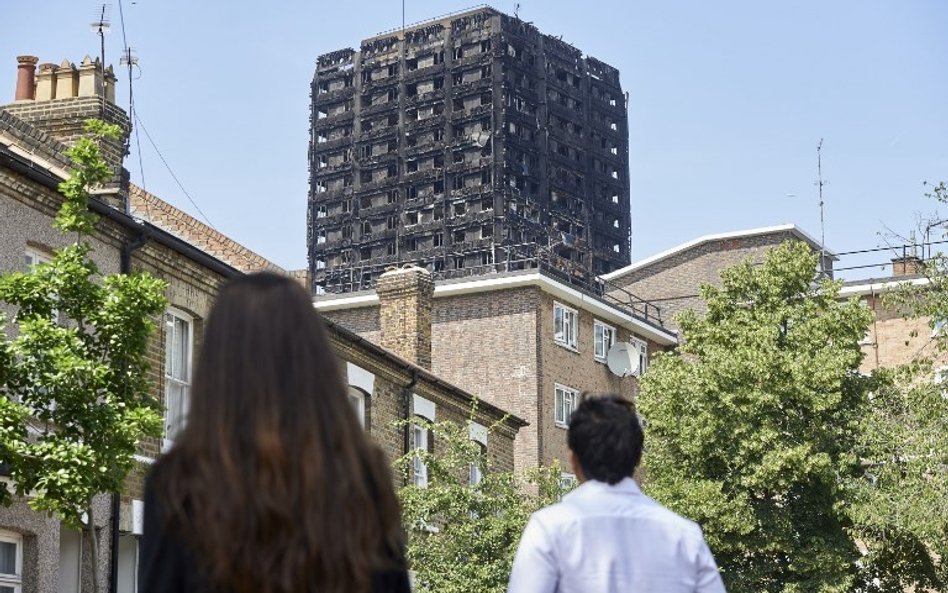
{"points": [[727, 102]]}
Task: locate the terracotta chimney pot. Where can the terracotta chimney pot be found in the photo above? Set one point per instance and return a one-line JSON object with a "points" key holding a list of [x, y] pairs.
{"points": [[26, 78]]}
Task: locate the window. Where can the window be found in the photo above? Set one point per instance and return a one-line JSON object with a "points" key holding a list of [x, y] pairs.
{"points": [[32, 257], [604, 337], [565, 325], [419, 467], [357, 401], [938, 326], [642, 347], [70, 560], [478, 434], [11, 562], [177, 373], [566, 400], [128, 564]]}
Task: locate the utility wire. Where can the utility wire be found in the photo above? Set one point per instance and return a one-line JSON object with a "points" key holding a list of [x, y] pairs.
{"points": [[173, 176], [127, 52]]}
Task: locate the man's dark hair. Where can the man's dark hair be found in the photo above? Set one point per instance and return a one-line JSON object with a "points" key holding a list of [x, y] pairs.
{"points": [[606, 437]]}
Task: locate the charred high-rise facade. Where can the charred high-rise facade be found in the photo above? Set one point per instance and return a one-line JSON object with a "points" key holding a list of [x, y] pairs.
{"points": [[468, 144]]}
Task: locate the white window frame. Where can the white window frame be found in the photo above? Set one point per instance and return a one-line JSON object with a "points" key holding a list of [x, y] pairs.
{"points": [[184, 382], [565, 326], [565, 400], [33, 256], [641, 346], [14, 581], [420, 439], [604, 336]]}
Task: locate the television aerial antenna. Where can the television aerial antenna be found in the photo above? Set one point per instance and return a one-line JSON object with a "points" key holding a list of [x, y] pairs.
{"points": [[102, 26], [819, 184], [622, 359]]}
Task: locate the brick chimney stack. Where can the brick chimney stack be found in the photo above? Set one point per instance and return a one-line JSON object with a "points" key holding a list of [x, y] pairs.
{"points": [[59, 100], [25, 78], [405, 299], [907, 265]]}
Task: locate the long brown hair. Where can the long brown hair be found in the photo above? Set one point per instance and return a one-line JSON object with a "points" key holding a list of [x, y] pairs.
{"points": [[273, 480]]}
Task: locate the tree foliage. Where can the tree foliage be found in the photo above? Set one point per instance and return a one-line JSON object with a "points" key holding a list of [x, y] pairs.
{"points": [[463, 537], [900, 502], [901, 507], [752, 427], [73, 371]]}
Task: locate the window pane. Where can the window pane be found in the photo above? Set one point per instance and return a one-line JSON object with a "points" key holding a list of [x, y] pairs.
{"points": [[181, 350], [558, 406], [7, 558], [6, 589], [177, 404], [169, 344]]}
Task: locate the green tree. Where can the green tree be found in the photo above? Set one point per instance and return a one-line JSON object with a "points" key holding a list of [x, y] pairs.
{"points": [[901, 506], [900, 503], [752, 425], [73, 368], [461, 537]]}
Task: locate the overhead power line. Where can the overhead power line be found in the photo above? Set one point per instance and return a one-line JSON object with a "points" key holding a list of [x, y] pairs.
{"points": [[173, 176]]}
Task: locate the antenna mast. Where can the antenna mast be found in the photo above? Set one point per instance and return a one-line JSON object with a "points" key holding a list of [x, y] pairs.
{"points": [[100, 27], [819, 184]]}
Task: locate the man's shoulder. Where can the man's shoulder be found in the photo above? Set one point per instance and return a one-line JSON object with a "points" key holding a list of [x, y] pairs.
{"points": [[581, 505]]}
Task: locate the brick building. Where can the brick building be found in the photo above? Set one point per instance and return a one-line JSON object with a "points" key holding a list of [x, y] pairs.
{"points": [[895, 337], [524, 341], [138, 231], [672, 279], [468, 144]]}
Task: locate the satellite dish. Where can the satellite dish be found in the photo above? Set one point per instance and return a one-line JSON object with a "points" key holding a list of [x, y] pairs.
{"points": [[622, 359]]}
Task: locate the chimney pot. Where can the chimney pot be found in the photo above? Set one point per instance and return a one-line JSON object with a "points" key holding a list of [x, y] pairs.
{"points": [[67, 81], [46, 82], [26, 78]]}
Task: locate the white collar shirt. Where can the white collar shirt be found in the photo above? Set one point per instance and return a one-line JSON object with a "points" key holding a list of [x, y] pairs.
{"points": [[612, 539]]}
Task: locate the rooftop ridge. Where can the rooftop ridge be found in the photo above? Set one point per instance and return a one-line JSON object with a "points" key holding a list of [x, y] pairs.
{"points": [[179, 223]]}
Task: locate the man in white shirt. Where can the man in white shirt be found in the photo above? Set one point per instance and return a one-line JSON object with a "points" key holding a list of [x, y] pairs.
{"points": [[606, 536]]}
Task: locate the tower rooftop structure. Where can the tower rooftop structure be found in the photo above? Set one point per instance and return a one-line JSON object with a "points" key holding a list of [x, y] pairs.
{"points": [[467, 144]]}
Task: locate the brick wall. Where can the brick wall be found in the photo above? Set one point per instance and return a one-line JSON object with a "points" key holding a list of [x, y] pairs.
{"points": [[894, 339], [673, 283], [487, 344], [577, 369], [396, 381], [499, 346]]}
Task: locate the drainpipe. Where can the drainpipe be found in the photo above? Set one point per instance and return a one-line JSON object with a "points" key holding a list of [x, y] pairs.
{"points": [[125, 267], [407, 393]]}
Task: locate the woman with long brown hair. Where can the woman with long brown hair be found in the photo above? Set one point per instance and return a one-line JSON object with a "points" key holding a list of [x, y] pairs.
{"points": [[272, 487]]}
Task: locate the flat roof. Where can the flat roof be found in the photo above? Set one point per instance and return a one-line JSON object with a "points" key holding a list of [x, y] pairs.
{"points": [[516, 279]]}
